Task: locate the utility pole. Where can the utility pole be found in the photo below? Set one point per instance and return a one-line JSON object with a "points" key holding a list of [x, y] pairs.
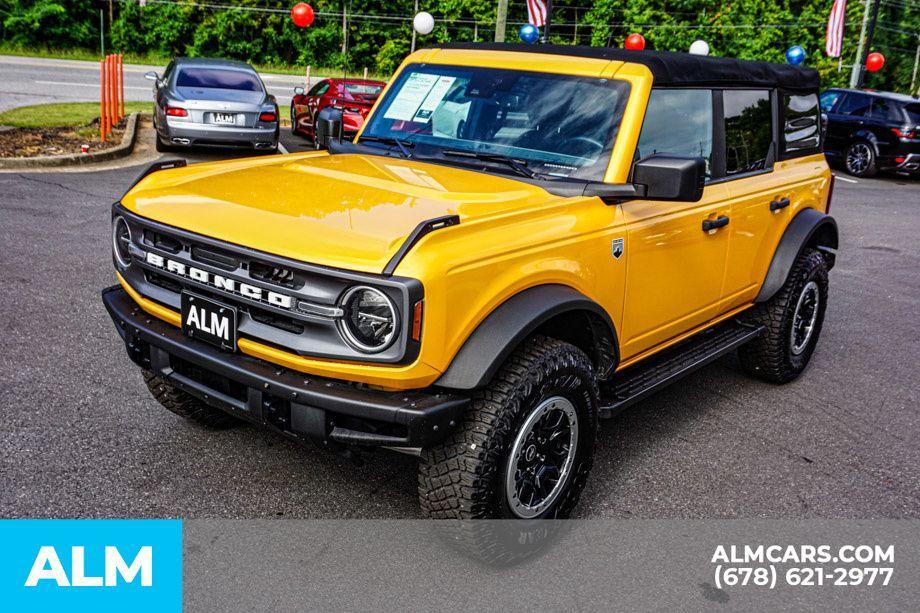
{"points": [[412, 48], [102, 32], [857, 65], [860, 68], [913, 78], [501, 20]]}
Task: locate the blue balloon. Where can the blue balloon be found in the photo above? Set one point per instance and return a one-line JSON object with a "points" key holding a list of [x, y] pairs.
{"points": [[529, 33], [795, 55]]}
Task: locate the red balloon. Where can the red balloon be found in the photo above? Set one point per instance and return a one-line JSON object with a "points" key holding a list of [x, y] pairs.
{"points": [[636, 42], [302, 15], [875, 61]]}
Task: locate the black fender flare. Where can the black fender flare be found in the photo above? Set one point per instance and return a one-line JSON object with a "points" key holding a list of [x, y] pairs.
{"points": [[500, 333], [809, 228]]}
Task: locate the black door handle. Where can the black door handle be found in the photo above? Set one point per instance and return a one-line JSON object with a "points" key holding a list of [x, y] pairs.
{"points": [[779, 204], [715, 224]]}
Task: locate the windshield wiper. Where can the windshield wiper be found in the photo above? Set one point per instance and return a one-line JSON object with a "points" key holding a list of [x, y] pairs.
{"points": [[388, 140], [518, 166]]}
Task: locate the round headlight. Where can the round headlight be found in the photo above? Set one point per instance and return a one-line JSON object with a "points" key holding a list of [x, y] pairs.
{"points": [[121, 240], [369, 322]]}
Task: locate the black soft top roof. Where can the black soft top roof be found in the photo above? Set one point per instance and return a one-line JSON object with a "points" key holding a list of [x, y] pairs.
{"points": [[677, 69]]}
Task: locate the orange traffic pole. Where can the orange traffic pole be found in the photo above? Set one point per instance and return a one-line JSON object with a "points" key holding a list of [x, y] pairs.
{"points": [[113, 99], [121, 85], [102, 110]]}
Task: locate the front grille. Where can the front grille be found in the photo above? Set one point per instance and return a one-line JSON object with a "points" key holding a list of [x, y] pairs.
{"points": [[278, 275], [280, 302], [162, 281], [281, 322], [161, 241], [215, 257]]}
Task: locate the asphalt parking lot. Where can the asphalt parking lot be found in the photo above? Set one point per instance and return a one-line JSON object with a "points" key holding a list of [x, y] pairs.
{"points": [[81, 437]]}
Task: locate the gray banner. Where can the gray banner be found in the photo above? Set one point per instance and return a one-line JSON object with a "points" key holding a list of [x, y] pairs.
{"points": [[576, 565]]}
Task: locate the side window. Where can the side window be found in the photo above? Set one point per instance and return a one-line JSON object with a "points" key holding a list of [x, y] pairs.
{"points": [[678, 121], [884, 110], [828, 99], [801, 122], [748, 130], [854, 105], [319, 89]]}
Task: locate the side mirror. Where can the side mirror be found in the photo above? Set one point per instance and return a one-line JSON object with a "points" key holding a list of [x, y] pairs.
{"points": [[671, 177], [298, 91], [328, 126], [151, 76]]}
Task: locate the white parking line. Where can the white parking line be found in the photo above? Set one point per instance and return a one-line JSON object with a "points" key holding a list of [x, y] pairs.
{"points": [[845, 179], [282, 148], [96, 85]]}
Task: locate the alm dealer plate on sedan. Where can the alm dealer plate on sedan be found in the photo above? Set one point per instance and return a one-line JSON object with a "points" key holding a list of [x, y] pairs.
{"points": [[223, 118], [209, 321]]}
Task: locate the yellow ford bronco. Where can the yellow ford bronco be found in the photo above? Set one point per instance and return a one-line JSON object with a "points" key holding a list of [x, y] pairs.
{"points": [[522, 240]]}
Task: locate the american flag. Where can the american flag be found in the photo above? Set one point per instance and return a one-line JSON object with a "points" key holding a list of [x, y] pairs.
{"points": [[536, 12], [835, 28]]}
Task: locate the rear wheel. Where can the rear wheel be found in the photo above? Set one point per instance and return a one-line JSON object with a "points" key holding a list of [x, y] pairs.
{"points": [[293, 121], [860, 159], [185, 405], [525, 447], [793, 320]]}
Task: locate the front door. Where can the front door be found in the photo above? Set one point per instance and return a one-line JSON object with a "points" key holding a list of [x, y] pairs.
{"points": [[674, 267]]}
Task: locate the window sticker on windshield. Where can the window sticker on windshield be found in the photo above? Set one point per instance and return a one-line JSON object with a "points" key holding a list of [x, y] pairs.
{"points": [[434, 98], [410, 96]]}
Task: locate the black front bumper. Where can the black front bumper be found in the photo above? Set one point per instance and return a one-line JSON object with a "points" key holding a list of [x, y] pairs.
{"points": [[301, 406]]}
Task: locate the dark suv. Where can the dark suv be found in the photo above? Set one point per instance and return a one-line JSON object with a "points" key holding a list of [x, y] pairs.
{"points": [[872, 131]]}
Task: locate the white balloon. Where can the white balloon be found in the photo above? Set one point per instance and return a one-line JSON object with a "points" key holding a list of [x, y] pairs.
{"points": [[423, 23], [699, 47]]}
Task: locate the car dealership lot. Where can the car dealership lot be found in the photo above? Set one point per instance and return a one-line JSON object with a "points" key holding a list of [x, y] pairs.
{"points": [[82, 437]]}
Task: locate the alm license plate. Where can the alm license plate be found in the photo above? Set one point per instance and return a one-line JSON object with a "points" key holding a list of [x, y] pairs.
{"points": [[224, 118], [209, 321]]}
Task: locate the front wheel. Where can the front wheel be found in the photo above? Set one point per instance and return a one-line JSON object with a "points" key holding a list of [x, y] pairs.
{"points": [[185, 405], [793, 319], [526, 445]]}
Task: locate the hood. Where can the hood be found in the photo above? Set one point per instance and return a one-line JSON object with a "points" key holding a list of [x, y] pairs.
{"points": [[346, 211]]}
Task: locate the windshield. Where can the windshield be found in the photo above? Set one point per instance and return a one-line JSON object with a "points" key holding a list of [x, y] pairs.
{"points": [[363, 89], [218, 79], [558, 125]]}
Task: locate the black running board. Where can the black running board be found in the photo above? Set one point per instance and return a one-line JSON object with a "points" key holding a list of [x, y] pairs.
{"points": [[652, 374]]}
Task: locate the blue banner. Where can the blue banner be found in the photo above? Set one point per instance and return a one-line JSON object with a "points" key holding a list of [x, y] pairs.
{"points": [[91, 565]]}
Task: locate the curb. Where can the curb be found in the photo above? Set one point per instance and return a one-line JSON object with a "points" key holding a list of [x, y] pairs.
{"points": [[80, 159]]}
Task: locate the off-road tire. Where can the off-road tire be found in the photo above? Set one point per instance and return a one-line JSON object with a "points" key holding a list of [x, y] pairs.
{"points": [[871, 169], [464, 476], [770, 357], [185, 405]]}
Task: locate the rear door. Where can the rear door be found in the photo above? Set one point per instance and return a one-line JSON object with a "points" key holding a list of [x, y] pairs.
{"points": [[674, 267], [765, 133], [884, 115]]}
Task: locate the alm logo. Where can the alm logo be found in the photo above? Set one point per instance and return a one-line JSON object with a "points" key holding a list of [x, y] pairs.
{"points": [[48, 567]]}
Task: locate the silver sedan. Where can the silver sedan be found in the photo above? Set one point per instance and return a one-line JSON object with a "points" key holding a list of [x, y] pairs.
{"points": [[218, 103]]}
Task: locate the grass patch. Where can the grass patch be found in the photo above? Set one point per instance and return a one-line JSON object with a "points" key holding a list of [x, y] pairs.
{"points": [[62, 114]]}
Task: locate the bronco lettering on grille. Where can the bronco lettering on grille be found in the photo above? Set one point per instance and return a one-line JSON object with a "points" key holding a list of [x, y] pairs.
{"points": [[220, 282]]}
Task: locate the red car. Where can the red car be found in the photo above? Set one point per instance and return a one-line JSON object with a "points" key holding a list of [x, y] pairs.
{"points": [[354, 96]]}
